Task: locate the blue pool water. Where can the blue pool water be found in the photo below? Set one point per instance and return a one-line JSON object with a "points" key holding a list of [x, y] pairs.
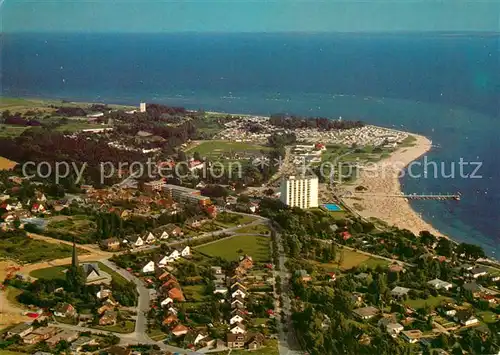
{"points": [[332, 207]]}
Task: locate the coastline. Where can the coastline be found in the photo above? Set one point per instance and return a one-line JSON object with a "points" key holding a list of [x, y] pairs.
{"points": [[384, 180]]}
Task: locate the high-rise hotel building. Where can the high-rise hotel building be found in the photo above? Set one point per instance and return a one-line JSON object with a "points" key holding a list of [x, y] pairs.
{"points": [[299, 191]]}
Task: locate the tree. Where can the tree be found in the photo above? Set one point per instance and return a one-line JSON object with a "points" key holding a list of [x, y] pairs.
{"points": [[444, 247]]}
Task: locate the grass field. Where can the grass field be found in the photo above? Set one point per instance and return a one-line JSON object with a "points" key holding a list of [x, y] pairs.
{"points": [[78, 225], [353, 259], [232, 219], [431, 301], [194, 293], [231, 248], [118, 328], [58, 272], [488, 316], [27, 250], [257, 229], [78, 126], [50, 273], [215, 148]]}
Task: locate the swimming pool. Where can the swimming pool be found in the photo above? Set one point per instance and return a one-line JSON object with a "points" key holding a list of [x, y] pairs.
{"points": [[332, 207]]}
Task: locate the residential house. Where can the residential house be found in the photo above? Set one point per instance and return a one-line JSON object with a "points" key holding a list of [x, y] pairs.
{"points": [[111, 243], [166, 302], [103, 293], [170, 319], [303, 275], [238, 292], [246, 262], [393, 329], [237, 317], [32, 339], [399, 292], [172, 230], [448, 310], [412, 336], [465, 317], [255, 341], [221, 289], [149, 267], [238, 285], [179, 330], [473, 287], [236, 341], [66, 335], [136, 241], [45, 332], [478, 272], [105, 307], [238, 328], [77, 345], [440, 284], [199, 338], [186, 251], [22, 330], [366, 312], [237, 302], [65, 310], [176, 294], [108, 318], [217, 270], [150, 238], [164, 235], [38, 208]]}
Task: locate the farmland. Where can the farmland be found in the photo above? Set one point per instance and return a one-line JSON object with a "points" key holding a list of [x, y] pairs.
{"points": [[231, 248]]}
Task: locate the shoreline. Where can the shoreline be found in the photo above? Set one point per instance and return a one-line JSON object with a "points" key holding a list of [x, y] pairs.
{"points": [[385, 179]]}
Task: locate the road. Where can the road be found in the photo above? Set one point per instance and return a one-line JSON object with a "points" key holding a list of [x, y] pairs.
{"points": [[287, 340]]}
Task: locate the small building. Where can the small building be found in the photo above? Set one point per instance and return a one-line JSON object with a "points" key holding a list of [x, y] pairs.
{"points": [[238, 292], [170, 319], [478, 272], [221, 290], [440, 284], [238, 328], [365, 313], [66, 335], [149, 267], [176, 294], [22, 330], [393, 329], [172, 230], [108, 318], [237, 318], [166, 302], [466, 318], [136, 241], [412, 336], [77, 345], [65, 310], [111, 243], [303, 275], [31, 339], [235, 341], [150, 238], [45, 332], [399, 292], [217, 270], [473, 287], [179, 330]]}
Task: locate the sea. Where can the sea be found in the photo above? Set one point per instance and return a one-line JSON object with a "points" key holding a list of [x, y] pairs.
{"points": [[445, 86]]}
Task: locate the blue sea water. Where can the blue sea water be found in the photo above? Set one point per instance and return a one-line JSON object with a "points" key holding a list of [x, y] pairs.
{"points": [[444, 86]]}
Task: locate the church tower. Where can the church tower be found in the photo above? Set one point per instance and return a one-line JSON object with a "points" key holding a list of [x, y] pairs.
{"points": [[74, 257]]}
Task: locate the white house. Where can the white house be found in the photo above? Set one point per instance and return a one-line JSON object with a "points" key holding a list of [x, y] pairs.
{"points": [[238, 292], [173, 311], [103, 293], [137, 241], [478, 271], [236, 319], [217, 270], [394, 329], [199, 338], [440, 284], [466, 318], [174, 255], [165, 260], [238, 329], [166, 302], [221, 290], [186, 251], [150, 239], [164, 235], [149, 267]]}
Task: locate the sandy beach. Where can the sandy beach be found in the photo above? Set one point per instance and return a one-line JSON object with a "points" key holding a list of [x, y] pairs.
{"points": [[383, 180]]}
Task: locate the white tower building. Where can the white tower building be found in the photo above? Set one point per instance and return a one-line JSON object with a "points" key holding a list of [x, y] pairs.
{"points": [[300, 191]]}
